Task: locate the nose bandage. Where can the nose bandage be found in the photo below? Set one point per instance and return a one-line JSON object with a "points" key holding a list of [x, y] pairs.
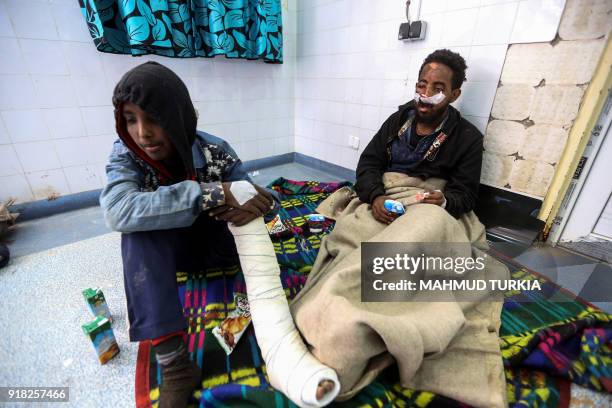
{"points": [[432, 100], [290, 366]]}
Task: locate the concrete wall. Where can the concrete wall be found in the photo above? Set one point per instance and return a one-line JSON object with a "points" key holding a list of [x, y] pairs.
{"points": [[540, 92], [57, 125]]}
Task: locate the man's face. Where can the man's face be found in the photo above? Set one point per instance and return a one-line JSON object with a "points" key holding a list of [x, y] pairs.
{"points": [[147, 133], [435, 78]]}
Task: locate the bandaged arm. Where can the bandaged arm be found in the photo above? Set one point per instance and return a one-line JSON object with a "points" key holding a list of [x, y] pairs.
{"points": [[291, 368]]}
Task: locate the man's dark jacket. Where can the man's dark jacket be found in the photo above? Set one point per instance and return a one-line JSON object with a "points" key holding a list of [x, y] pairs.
{"points": [[458, 161]]}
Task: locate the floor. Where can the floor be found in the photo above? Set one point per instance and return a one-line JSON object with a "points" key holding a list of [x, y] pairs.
{"points": [[55, 258]]}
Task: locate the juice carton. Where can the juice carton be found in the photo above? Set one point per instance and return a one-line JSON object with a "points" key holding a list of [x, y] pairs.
{"points": [[101, 335], [96, 302]]}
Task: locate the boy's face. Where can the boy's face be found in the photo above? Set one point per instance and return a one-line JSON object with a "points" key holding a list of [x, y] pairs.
{"points": [[147, 133]]}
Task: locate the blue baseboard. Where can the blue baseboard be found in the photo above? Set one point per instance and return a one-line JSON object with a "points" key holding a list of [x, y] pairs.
{"points": [[251, 165], [77, 201], [338, 171]]}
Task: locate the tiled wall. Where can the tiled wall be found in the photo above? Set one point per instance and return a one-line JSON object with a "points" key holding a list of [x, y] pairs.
{"points": [[352, 72], [57, 124], [541, 88]]}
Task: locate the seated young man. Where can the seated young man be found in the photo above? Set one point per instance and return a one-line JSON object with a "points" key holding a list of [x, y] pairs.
{"points": [[165, 180], [427, 138]]}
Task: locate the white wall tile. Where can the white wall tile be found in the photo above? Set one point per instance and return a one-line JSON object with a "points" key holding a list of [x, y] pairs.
{"points": [[92, 90], [353, 90], [395, 92], [54, 91], [6, 28], [83, 59], [351, 114], [459, 27], [100, 147], [11, 61], [370, 117], [494, 24], [432, 6], [9, 163], [31, 19], [98, 120], [25, 125], [477, 98], [48, 184], [480, 122], [485, 63], [461, 4], [43, 57], [372, 92], [537, 21], [66, 18], [83, 178], [4, 136], [116, 65], [15, 186], [434, 30], [73, 152], [492, 2], [64, 123], [37, 156], [17, 92]]}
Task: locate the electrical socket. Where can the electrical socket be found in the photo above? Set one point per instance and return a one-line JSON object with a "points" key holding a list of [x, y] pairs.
{"points": [[354, 142]]}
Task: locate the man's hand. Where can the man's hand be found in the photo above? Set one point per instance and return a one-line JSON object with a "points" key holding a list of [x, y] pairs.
{"points": [[379, 211], [258, 205], [433, 197]]}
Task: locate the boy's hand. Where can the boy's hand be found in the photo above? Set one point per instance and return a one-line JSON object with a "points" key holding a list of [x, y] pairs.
{"points": [[257, 205]]}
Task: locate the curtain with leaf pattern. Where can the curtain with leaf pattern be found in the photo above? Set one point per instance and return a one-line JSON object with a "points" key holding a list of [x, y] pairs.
{"points": [[250, 29]]}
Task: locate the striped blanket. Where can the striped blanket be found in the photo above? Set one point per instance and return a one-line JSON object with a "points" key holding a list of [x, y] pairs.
{"points": [[545, 346]]}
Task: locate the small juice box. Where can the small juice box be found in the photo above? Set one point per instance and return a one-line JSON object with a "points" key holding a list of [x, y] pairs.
{"points": [[96, 302], [101, 335], [234, 325], [316, 222], [394, 207]]}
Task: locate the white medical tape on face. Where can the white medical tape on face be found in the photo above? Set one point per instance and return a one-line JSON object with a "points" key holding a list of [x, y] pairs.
{"points": [[243, 191], [432, 100]]}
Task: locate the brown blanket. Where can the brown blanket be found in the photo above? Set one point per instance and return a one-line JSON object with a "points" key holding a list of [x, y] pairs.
{"points": [[449, 348]]}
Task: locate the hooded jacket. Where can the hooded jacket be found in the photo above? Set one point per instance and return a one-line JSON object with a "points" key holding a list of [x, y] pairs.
{"points": [[141, 193], [458, 160]]}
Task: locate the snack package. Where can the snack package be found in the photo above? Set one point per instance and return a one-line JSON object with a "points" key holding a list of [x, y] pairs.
{"points": [[276, 227], [315, 222], [96, 303], [394, 207], [229, 332], [101, 335]]}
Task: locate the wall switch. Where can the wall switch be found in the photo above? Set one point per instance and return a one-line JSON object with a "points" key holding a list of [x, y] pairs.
{"points": [[355, 143], [349, 141]]}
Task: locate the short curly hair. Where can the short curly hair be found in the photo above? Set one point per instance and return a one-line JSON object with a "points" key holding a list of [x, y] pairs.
{"points": [[452, 60]]}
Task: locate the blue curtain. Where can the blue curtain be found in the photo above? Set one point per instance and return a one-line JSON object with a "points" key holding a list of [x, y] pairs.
{"points": [[250, 29]]}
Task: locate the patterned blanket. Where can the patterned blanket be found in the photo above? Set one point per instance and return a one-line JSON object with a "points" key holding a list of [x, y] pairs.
{"points": [[545, 346]]}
